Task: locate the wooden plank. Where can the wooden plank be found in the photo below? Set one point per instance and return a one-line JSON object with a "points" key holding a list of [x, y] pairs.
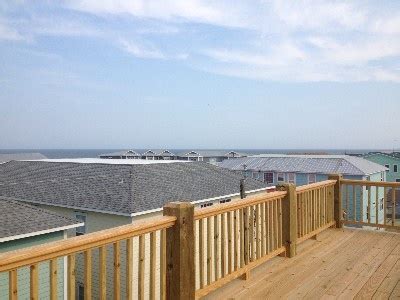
{"points": [[230, 250], [263, 227], [102, 272], [45, 252], [372, 225], [371, 183], [216, 248], [347, 202], [34, 282], [223, 242], [236, 239], [354, 203], [313, 233], [276, 218], [88, 274], [153, 257], [71, 276], [201, 252], [163, 264], [377, 205], [270, 227], [258, 229], [252, 247], [13, 285], [53, 279], [246, 249], [142, 249], [369, 204], [384, 205], [117, 271], [209, 252], [393, 206], [129, 268]]}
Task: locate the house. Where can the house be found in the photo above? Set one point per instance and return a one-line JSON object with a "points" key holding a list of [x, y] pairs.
{"points": [[20, 156], [305, 169], [162, 154], [211, 156], [23, 225], [390, 160], [106, 193], [128, 154]]}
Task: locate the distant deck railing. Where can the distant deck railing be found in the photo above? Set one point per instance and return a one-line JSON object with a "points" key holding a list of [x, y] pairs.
{"points": [[370, 203], [188, 252]]}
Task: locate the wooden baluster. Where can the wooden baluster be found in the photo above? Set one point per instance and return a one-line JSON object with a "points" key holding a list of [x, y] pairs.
{"points": [[302, 213], [347, 202], [142, 250], [236, 241], [201, 253], [276, 217], [257, 227], [280, 243], [270, 227], [209, 251], [324, 205], [263, 225], [53, 278], [251, 234], [223, 242], [272, 212], [71, 277], [393, 206], [313, 214], [13, 285], [153, 257], [229, 216], [34, 282], [384, 205], [88, 274], [377, 205], [216, 247], [354, 203], [246, 235], [369, 203], [361, 206], [117, 269], [129, 268], [102, 272], [163, 264]]}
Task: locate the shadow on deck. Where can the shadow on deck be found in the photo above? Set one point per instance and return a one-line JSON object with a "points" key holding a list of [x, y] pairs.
{"points": [[345, 264]]}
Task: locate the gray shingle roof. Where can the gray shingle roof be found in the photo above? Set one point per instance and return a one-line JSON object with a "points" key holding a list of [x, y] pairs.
{"points": [[20, 156], [118, 188], [122, 153], [208, 153], [18, 218], [324, 164], [392, 154]]}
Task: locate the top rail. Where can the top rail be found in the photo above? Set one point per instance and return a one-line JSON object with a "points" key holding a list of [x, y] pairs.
{"points": [[249, 201], [371, 183], [316, 185], [28, 256]]}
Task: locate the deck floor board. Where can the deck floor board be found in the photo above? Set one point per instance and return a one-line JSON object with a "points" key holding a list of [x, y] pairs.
{"points": [[341, 263]]}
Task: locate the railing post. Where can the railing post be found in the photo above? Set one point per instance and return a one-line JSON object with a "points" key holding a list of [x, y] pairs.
{"points": [[337, 200], [289, 218], [180, 283]]}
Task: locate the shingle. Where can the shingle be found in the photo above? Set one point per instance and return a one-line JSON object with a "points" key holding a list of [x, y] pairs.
{"points": [[119, 188], [18, 218]]}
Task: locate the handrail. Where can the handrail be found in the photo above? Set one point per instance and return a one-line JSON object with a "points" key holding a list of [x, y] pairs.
{"points": [[371, 183], [28, 256], [227, 207], [316, 185]]}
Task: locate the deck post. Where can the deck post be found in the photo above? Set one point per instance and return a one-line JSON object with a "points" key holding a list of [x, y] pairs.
{"points": [[180, 282], [337, 200], [289, 218]]}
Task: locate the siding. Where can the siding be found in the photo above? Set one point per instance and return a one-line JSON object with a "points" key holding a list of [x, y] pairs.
{"points": [[23, 273], [387, 160]]}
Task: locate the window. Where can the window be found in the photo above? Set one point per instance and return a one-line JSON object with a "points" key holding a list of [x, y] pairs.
{"points": [[397, 179], [225, 201], [387, 166], [256, 175], [395, 168], [81, 217], [206, 204], [312, 178], [280, 177], [291, 178], [381, 204], [269, 177]]}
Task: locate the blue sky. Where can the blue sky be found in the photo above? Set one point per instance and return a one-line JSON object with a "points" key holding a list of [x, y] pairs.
{"points": [[203, 74]]}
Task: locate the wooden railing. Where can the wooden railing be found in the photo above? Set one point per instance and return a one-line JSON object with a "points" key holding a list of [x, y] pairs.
{"points": [[370, 203], [187, 253], [134, 237]]}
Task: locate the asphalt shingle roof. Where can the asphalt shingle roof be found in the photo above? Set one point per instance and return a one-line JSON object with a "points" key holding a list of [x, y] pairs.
{"points": [[323, 164], [119, 188], [20, 156], [18, 218]]}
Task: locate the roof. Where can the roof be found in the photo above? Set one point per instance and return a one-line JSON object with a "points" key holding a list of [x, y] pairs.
{"points": [[115, 186], [122, 153], [209, 153], [392, 155], [20, 156], [18, 220], [324, 164], [111, 161]]}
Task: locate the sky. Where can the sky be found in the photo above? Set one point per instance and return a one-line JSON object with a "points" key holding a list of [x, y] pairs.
{"points": [[200, 74]]}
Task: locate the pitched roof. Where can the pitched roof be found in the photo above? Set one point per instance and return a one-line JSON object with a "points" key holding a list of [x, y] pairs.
{"points": [[392, 154], [209, 153], [122, 153], [324, 164], [20, 156], [18, 218], [117, 186]]}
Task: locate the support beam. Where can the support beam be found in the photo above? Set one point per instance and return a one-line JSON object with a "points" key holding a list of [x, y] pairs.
{"points": [[337, 200]]}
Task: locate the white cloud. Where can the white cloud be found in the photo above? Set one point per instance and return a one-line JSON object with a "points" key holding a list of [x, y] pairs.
{"points": [[141, 51]]}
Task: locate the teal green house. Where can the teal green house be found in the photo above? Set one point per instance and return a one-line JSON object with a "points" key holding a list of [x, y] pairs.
{"points": [[390, 160], [23, 225]]}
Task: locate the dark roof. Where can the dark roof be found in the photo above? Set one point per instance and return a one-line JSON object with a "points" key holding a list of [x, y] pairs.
{"points": [[392, 154], [20, 156], [117, 187], [209, 153], [18, 218]]}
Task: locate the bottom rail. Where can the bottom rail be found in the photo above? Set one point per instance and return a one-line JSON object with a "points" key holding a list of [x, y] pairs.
{"points": [[315, 232]]}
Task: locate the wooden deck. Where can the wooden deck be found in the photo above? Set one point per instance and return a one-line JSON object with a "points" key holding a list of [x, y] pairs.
{"points": [[345, 264]]}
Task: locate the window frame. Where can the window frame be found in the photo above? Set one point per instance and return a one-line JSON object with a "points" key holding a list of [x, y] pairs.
{"points": [[395, 168], [283, 176], [294, 178], [315, 178], [270, 174]]}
